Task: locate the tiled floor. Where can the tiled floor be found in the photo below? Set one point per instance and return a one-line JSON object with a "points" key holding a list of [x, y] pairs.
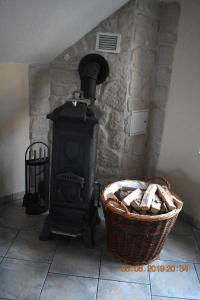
{"points": [[62, 269]]}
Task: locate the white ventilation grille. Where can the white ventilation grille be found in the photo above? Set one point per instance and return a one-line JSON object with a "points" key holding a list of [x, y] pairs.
{"points": [[108, 42]]}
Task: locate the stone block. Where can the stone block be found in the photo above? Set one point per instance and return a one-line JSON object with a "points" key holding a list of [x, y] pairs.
{"points": [[156, 122], [149, 7], [115, 120], [56, 101], [60, 76], [39, 126], [39, 83], [63, 90], [144, 60], [167, 38], [130, 162], [108, 173], [119, 67], [139, 144], [135, 173], [135, 84], [140, 36], [142, 20], [39, 106], [128, 144], [107, 158], [102, 137], [146, 36], [110, 24], [115, 139], [160, 96], [166, 54], [170, 17], [136, 103], [125, 25], [114, 95], [163, 76], [39, 138]]}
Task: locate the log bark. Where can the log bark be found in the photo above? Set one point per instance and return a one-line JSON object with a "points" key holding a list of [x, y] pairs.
{"points": [[132, 196], [148, 197], [166, 197]]}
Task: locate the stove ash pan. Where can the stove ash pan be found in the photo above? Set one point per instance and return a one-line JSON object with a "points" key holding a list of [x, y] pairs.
{"points": [[74, 193]]}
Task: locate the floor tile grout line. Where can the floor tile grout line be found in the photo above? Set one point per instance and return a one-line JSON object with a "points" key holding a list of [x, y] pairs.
{"points": [[48, 271], [101, 253], [72, 275], [196, 272], [135, 282], [90, 277], [30, 260], [173, 297], [18, 231], [150, 285]]}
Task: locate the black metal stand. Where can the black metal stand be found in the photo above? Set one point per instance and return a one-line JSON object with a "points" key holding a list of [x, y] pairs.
{"points": [[36, 198]]}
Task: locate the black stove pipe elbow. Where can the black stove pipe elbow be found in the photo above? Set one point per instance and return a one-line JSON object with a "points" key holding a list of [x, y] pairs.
{"points": [[93, 70]]}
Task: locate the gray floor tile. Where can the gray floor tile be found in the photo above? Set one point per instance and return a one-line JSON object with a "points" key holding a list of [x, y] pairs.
{"points": [[197, 266], [28, 246], [122, 290], [21, 279], [181, 248], [167, 298], [15, 217], [6, 238], [75, 259], [181, 227], [1, 259], [112, 269], [62, 287], [175, 284]]}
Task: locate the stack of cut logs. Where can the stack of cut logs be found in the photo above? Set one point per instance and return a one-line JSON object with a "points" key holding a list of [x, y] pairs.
{"points": [[156, 199]]}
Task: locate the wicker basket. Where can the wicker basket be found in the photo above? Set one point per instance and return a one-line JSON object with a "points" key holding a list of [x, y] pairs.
{"points": [[133, 238]]}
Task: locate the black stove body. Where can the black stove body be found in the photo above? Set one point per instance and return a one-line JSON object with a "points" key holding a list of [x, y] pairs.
{"points": [[74, 193]]}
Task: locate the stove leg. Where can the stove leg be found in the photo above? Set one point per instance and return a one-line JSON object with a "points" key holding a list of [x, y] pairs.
{"points": [[47, 229], [97, 218], [88, 237]]}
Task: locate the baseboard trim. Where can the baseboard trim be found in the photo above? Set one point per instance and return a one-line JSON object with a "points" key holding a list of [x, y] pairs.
{"points": [[11, 197]]}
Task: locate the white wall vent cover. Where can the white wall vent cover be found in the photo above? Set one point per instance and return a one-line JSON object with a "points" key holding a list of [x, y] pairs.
{"points": [[108, 42]]}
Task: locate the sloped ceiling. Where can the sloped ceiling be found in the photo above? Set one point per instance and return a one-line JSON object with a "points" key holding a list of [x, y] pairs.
{"points": [[35, 31]]}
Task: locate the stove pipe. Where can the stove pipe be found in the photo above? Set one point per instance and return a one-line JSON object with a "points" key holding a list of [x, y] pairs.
{"points": [[93, 70]]}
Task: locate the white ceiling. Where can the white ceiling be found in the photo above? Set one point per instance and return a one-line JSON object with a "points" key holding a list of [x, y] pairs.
{"points": [[35, 31]]}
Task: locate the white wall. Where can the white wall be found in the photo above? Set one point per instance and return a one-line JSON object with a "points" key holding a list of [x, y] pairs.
{"points": [[179, 159], [14, 126], [35, 31]]}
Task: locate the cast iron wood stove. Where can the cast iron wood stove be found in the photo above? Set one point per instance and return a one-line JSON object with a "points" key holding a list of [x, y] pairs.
{"points": [[74, 193]]}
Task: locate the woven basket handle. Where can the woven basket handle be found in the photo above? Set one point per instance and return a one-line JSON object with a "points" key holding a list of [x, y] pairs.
{"points": [[161, 179], [120, 205]]}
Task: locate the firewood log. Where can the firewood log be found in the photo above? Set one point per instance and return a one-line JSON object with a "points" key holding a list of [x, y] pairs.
{"points": [[135, 204], [163, 208], [148, 197], [111, 196], [157, 199], [166, 197], [132, 196], [177, 202], [155, 207]]}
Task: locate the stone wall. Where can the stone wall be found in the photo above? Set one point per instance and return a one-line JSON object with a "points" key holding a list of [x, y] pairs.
{"points": [[167, 39], [39, 92], [135, 77]]}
